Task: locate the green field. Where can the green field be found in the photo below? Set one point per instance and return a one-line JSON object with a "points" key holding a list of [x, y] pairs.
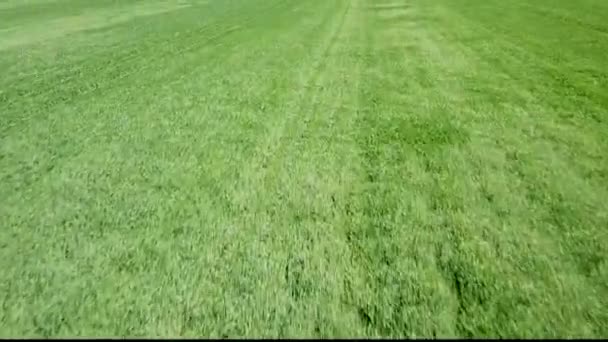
{"points": [[290, 168]]}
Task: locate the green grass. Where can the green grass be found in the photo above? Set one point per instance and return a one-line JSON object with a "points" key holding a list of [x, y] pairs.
{"points": [[314, 168]]}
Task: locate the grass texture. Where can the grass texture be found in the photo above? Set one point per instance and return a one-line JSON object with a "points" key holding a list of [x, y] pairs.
{"points": [[285, 168]]}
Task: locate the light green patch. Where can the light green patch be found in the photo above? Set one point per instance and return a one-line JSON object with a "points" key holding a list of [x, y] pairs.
{"points": [[88, 20]]}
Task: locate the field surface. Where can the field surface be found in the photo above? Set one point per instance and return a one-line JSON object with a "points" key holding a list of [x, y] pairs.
{"points": [[289, 168]]}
